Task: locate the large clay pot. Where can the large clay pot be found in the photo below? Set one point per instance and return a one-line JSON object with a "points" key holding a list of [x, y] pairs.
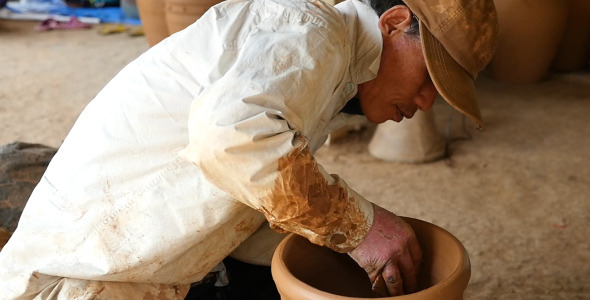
{"points": [[304, 271], [574, 49], [529, 33], [182, 13], [151, 13]]}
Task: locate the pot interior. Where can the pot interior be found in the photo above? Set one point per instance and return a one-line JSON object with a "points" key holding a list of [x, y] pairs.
{"points": [[338, 274]]}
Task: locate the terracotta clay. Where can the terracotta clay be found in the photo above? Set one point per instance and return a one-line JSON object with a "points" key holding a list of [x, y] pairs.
{"points": [[302, 270], [574, 49], [182, 13], [153, 21], [529, 33]]}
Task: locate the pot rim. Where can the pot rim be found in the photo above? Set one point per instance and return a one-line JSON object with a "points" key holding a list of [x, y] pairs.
{"points": [[463, 267]]}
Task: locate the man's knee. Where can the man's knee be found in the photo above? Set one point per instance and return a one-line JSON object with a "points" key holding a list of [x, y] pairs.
{"points": [[78, 289]]}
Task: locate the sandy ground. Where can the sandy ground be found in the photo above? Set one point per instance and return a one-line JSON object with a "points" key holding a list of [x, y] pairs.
{"points": [[517, 196]]}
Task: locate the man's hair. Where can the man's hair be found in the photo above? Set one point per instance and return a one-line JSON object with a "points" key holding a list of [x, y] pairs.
{"points": [[381, 6]]}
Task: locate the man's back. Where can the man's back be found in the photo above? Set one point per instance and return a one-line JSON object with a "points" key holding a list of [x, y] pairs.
{"points": [[122, 202]]}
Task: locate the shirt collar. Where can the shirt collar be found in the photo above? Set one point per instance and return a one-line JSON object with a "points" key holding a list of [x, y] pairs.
{"points": [[363, 31]]}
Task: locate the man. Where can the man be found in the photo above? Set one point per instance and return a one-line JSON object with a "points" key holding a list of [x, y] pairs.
{"points": [[193, 147]]}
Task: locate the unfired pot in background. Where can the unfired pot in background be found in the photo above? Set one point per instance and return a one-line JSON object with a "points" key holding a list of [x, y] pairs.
{"points": [[304, 271], [529, 33], [415, 140]]}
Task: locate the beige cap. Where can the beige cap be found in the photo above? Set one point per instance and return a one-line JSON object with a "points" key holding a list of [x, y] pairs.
{"points": [[458, 41]]}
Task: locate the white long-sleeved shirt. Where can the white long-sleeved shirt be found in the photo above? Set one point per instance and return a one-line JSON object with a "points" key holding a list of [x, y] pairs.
{"points": [[196, 144]]}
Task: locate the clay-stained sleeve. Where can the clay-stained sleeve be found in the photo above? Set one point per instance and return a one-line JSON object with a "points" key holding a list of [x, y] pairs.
{"points": [[307, 201]]}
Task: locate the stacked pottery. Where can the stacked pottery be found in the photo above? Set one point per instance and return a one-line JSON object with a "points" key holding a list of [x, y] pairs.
{"points": [[528, 37], [151, 13], [304, 271], [574, 49], [161, 18], [182, 13]]}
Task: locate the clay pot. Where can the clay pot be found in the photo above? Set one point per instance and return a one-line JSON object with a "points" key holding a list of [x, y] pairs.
{"points": [[151, 13], [529, 33], [304, 271], [574, 49], [182, 13], [415, 140]]}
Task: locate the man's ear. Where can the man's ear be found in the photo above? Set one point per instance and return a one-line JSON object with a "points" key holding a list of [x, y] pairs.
{"points": [[395, 19]]}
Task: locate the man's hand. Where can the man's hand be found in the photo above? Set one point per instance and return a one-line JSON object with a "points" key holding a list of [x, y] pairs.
{"points": [[390, 255]]}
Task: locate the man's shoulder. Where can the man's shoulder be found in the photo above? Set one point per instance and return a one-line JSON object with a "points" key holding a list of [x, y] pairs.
{"points": [[315, 12]]}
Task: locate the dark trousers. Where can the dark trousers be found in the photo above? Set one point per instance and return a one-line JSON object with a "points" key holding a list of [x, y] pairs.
{"points": [[246, 281]]}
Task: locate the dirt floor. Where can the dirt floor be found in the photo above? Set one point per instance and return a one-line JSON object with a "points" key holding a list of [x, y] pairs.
{"points": [[517, 196]]}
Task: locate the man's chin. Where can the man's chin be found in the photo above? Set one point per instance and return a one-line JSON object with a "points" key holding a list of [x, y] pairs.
{"points": [[397, 119], [383, 119]]}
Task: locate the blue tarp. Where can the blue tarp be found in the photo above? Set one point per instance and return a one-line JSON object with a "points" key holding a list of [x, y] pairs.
{"points": [[57, 7]]}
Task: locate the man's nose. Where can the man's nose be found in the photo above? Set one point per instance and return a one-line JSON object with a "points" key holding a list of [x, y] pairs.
{"points": [[426, 96]]}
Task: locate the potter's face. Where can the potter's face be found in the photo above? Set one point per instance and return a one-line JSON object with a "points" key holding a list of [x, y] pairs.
{"points": [[402, 85]]}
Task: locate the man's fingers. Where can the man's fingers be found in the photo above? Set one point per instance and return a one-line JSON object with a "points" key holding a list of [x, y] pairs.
{"points": [[379, 288], [408, 270], [393, 280], [416, 253]]}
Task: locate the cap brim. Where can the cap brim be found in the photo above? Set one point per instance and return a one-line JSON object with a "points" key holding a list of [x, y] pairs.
{"points": [[453, 83]]}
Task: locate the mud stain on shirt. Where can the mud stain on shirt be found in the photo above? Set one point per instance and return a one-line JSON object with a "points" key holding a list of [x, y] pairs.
{"points": [[307, 202]]}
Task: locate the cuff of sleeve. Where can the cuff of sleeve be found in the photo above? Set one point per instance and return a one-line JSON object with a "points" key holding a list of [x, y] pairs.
{"points": [[321, 207], [349, 236], [344, 228]]}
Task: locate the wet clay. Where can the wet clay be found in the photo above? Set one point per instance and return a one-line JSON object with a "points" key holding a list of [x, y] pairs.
{"points": [[305, 202], [303, 270]]}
